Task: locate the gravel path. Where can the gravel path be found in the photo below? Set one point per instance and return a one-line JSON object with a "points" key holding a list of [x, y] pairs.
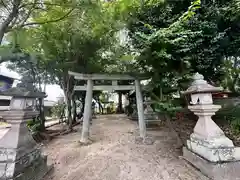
{"points": [[114, 155]]}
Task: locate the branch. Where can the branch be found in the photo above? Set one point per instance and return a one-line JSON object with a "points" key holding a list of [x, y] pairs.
{"points": [[29, 13], [13, 22], [45, 3], [5, 24], [50, 21], [4, 5]]}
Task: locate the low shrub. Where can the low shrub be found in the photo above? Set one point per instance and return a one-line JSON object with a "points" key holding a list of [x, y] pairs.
{"points": [[230, 115], [34, 126], [235, 125]]}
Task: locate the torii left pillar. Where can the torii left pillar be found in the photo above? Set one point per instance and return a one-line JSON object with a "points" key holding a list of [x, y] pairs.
{"points": [[141, 120], [87, 112]]}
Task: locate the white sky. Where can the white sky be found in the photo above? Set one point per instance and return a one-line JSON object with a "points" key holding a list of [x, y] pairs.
{"points": [[53, 91]]}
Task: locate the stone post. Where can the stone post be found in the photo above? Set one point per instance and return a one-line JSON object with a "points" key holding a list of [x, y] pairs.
{"points": [[208, 148], [141, 121], [20, 157], [87, 112]]}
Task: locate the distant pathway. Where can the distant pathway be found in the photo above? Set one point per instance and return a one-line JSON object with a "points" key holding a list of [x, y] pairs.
{"points": [[115, 156], [51, 122]]}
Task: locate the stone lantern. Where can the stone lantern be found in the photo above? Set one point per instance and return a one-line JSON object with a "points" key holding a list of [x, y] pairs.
{"points": [[208, 148], [149, 114], [20, 157], [23, 103], [134, 115]]}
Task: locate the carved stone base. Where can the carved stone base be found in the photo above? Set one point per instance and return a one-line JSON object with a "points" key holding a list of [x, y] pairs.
{"points": [[35, 171], [217, 149], [85, 142], [133, 117], [215, 171], [150, 116]]}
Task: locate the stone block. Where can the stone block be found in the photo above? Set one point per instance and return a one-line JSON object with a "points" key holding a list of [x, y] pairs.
{"points": [[216, 171], [148, 140], [31, 166], [216, 149], [35, 171], [138, 140], [20, 156]]}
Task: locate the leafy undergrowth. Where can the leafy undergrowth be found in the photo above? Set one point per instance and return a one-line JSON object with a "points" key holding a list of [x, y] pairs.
{"points": [[185, 127]]}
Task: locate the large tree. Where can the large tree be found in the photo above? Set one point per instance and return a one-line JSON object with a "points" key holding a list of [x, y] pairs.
{"points": [[75, 43], [181, 37], [17, 14]]}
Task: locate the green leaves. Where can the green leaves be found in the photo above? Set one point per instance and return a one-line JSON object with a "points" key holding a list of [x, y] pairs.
{"points": [[58, 110], [195, 5], [34, 126], [24, 13], [75, 43], [182, 42], [167, 108]]}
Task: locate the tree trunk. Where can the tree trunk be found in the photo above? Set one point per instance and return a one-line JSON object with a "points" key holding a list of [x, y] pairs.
{"points": [[2, 32], [83, 105], [82, 99], [235, 76], [74, 108], [68, 96], [68, 84], [69, 112], [13, 14], [161, 94], [120, 106], [100, 107], [41, 114]]}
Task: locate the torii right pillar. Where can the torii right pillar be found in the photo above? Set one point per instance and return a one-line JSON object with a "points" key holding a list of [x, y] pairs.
{"points": [[208, 149]]}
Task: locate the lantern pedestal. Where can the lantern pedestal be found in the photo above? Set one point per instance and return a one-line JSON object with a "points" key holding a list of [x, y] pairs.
{"points": [[215, 171], [208, 140], [20, 157]]}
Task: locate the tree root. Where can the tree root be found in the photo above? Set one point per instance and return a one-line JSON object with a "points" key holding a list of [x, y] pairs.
{"points": [[41, 136]]}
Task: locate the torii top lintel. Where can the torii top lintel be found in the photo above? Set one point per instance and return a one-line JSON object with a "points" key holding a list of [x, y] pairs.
{"points": [[80, 76]]}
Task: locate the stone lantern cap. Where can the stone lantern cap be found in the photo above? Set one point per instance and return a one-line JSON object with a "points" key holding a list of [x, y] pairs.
{"points": [[199, 85], [23, 92], [24, 89]]}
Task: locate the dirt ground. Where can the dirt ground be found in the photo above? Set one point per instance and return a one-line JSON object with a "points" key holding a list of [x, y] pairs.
{"points": [[114, 154]]}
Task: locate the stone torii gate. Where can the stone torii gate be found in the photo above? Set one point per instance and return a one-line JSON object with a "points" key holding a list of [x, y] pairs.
{"points": [[90, 87]]}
